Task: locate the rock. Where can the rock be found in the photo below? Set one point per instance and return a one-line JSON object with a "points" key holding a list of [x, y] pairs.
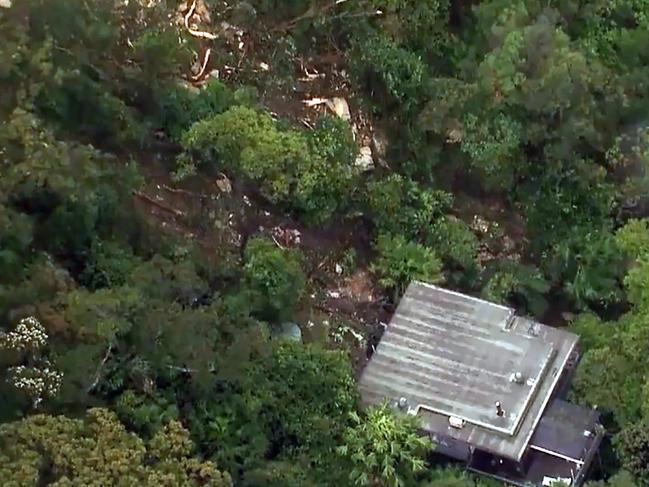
{"points": [[364, 160], [289, 331], [379, 146], [223, 183], [188, 86], [340, 107], [568, 316]]}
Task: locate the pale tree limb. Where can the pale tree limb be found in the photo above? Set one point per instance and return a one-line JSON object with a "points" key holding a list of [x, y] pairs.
{"points": [[206, 60], [162, 206], [99, 368], [197, 33]]}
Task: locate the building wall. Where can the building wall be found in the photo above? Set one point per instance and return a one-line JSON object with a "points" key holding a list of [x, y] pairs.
{"points": [[451, 447]]}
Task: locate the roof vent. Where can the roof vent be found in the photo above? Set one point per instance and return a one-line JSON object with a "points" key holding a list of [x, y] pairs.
{"points": [[517, 378], [509, 320], [500, 412], [456, 422]]}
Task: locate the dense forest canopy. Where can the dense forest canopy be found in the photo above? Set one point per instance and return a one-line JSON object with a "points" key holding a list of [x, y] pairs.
{"points": [[188, 187]]}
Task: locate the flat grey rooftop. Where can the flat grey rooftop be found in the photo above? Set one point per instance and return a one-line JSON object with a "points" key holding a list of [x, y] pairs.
{"points": [[561, 430], [451, 355]]}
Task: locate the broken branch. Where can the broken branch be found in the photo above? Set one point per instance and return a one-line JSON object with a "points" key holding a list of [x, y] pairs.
{"points": [[162, 206], [206, 60], [196, 33], [99, 368]]}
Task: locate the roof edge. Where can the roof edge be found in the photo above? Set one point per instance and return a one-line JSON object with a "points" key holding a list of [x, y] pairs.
{"points": [[547, 399]]}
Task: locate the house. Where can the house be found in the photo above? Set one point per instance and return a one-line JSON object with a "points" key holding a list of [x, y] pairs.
{"points": [[487, 385]]}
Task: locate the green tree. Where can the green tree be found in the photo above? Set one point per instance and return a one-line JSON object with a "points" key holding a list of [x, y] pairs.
{"points": [[633, 445], [621, 479], [275, 277], [64, 452], [312, 176], [384, 449], [513, 283], [401, 206], [399, 262]]}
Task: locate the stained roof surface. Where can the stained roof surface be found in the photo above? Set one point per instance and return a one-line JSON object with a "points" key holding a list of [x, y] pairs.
{"points": [[561, 430], [449, 354]]}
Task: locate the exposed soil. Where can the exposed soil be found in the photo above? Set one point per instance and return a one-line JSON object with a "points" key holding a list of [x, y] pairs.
{"points": [[343, 305], [346, 297]]}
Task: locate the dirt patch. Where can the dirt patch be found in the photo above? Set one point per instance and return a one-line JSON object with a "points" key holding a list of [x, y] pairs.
{"points": [[343, 304]]}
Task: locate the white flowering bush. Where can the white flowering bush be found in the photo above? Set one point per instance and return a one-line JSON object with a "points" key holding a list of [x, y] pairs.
{"points": [[36, 383], [39, 379], [29, 335]]}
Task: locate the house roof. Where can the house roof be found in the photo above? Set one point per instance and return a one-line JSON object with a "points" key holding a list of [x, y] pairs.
{"points": [[452, 355], [567, 430]]}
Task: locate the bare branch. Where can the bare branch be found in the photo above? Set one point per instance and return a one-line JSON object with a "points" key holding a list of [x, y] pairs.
{"points": [[197, 33], [99, 368]]}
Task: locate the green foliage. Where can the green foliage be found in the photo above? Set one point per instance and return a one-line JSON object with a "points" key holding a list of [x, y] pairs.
{"points": [[313, 176], [493, 147], [300, 415], [422, 26], [454, 241], [400, 262], [621, 479], [592, 331], [393, 74], [62, 451], [384, 449], [275, 277], [108, 264], [610, 375], [589, 264], [633, 239], [72, 192], [279, 474], [145, 415], [452, 478], [537, 106], [71, 66], [332, 140], [510, 283], [401, 206], [290, 402], [633, 445], [179, 107]]}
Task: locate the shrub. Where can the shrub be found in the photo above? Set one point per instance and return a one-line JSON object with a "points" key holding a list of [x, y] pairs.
{"points": [[589, 264], [109, 264], [179, 108], [384, 449], [454, 241], [275, 277], [400, 262], [333, 141], [146, 415], [509, 282], [633, 445], [422, 26], [311, 175], [633, 238], [397, 75], [401, 206]]}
